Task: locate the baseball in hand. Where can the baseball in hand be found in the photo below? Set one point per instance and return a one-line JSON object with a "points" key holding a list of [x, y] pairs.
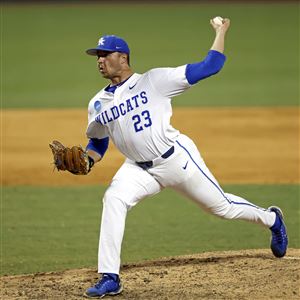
{"points": [[218, 20]]}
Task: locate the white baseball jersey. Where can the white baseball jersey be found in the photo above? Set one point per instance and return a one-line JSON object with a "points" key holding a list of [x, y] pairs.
{"points": [[137, 115], [137, 118]]}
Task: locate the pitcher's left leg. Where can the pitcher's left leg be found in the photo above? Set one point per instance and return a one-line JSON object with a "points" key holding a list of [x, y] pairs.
{"points": [[204, 189], [201, 186]]}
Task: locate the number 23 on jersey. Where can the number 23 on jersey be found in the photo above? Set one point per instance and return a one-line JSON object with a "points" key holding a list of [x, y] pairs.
{"points": [[141, 121]]}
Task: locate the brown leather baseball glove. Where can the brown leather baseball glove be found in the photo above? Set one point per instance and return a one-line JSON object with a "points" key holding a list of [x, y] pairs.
{"points": [[74, 160]]}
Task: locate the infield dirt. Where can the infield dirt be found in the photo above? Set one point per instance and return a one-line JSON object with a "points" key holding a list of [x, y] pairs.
{"points": [[240, 145]]}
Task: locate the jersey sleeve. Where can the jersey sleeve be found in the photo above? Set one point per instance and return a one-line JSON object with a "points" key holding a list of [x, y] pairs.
{"points": [[212, 64], [98, 145], [95, 129], [169, 82]]}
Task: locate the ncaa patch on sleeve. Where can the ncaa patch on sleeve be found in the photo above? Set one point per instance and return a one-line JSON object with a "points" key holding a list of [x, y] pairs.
{"points": [[97, 105]]}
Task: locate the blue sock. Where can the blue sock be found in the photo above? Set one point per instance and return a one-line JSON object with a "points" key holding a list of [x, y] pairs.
{"points": [[276, 224], [113, 276]]}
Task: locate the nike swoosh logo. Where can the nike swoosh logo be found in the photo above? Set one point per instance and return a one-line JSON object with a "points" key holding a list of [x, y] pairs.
{"points": [[185, 165], [131, 87]]}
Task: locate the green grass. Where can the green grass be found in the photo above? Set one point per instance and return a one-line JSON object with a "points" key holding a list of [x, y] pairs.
{"points": [[44, 64], [47, 229]]}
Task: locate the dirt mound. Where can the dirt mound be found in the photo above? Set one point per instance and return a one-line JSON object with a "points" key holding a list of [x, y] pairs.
{"points": [[245, 274]]}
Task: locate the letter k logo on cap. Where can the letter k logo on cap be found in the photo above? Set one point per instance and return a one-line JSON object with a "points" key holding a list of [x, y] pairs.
{"points": [[101, 41]]}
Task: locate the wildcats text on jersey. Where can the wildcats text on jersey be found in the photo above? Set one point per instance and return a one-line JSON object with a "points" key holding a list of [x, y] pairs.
{"points": [[122, 109]]}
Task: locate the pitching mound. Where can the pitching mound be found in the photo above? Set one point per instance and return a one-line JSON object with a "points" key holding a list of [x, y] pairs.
{"points": [[247, 274]]}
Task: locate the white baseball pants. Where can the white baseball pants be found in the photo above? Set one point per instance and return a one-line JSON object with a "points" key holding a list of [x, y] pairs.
{"points": [[184, 171]]}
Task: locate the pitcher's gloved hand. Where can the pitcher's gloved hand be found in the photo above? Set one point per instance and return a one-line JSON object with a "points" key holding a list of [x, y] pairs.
{"points": [[74, 160]]}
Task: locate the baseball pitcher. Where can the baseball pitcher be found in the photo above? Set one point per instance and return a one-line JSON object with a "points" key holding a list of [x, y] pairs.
{"points": [[134, 111]]}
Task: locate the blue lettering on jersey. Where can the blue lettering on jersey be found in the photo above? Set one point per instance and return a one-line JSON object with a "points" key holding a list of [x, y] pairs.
{"points": [[98, 119], [108, 118], [102, 114], [115, 112], [129, 106], [135, 100], [143, 96], [122, 109]]}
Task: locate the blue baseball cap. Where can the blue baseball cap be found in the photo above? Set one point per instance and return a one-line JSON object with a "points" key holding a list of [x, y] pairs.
{"points": [[110, 43]]}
